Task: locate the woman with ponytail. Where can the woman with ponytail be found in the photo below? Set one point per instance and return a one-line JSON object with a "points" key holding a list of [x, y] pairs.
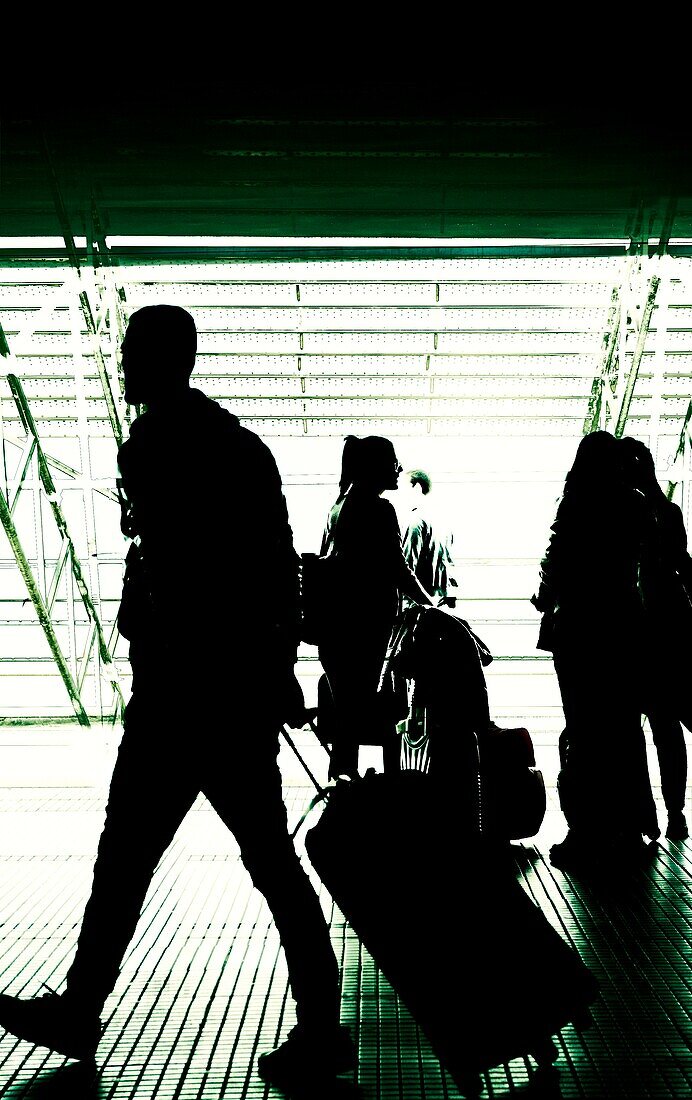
{"points": [[363, 532]]}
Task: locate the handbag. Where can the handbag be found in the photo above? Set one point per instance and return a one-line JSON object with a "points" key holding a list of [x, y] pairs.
{"points": [[320, 584]]}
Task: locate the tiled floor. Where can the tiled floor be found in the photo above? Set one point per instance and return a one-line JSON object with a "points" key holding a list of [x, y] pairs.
{"points": [[203, 988]]}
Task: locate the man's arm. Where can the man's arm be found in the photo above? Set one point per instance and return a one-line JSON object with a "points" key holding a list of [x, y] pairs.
{"points": [[277, 559], [412, 543]]}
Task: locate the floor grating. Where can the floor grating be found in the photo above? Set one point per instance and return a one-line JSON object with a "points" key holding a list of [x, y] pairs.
{"points": [[203, 987]]}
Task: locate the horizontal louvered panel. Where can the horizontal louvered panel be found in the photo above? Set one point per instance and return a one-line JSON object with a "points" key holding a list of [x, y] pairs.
{"points": [[46, 387], [195, 295], [509, 639], [20, 295], [222, 365], [352, 405], [373, 317], [12, 586], [517, 687], [293, 416], [558, 269], [504, 387], [59, 369], [25, 642]]}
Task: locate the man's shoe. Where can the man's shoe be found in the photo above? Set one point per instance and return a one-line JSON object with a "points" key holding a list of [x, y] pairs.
{"points": [[677, 826], [306, 1057], [52, 1021]]}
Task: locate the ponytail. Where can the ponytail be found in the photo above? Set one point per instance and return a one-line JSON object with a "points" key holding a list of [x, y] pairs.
{"points": [[349, 463]]}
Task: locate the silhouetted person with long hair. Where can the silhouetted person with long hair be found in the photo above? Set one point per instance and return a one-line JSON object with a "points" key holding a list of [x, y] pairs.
{"points": [[363, 531], [593, 624], [210, 607], [427, 541], [665, 581]]}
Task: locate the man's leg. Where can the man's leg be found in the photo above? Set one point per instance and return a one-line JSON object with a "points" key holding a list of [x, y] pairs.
{"points": [[671, 750], [251, 805], [150, 793], [603, 783], [147, 801]]}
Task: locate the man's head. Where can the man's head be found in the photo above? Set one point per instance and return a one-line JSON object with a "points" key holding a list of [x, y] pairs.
{"points": [[418, 483], [158, 353]]}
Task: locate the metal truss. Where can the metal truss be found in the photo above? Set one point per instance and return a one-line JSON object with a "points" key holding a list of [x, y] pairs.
{"points": [[43, 597], [97, 306]]}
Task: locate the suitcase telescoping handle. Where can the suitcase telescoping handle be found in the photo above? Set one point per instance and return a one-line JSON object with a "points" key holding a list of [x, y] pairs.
{"points": [[322, 791], [289, 741]]}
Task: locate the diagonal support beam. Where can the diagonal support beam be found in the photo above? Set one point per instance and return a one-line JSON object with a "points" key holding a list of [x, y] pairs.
{"points": [[603, 378], [642, 333], [42, 612], [91, 325], [680, 452]]}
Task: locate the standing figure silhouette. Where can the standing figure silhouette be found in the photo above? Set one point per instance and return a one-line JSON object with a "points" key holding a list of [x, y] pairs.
{"points": [[665, 580], [362, 531], [210, 607], [593, 624]]}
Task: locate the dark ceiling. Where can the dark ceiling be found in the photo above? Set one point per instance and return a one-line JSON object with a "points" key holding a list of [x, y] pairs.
{"points": [[319, 159]]}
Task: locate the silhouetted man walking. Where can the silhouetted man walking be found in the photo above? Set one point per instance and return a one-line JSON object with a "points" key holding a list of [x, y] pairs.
{"points": [[210, 606]]}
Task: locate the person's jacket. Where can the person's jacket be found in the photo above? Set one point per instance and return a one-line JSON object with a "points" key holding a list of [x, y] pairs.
{"points": [[589, 573], [363, 531], [428, 552], [205, 506], [665, 575]]}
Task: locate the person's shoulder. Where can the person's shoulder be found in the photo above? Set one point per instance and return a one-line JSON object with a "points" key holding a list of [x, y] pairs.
{"points": [[384, 514], [138, 436], [674, 522], [256, 455], [140, 427], [415, 522], [384, 508], [227, 423], [250, 438], [256, 447], [207, 409]]}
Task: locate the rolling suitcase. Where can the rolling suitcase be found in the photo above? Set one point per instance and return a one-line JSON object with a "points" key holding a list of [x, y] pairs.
{"points": [[484, 974]]}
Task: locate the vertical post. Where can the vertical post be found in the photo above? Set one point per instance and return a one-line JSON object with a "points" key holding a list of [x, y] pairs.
{"points": [[86, 492]]}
